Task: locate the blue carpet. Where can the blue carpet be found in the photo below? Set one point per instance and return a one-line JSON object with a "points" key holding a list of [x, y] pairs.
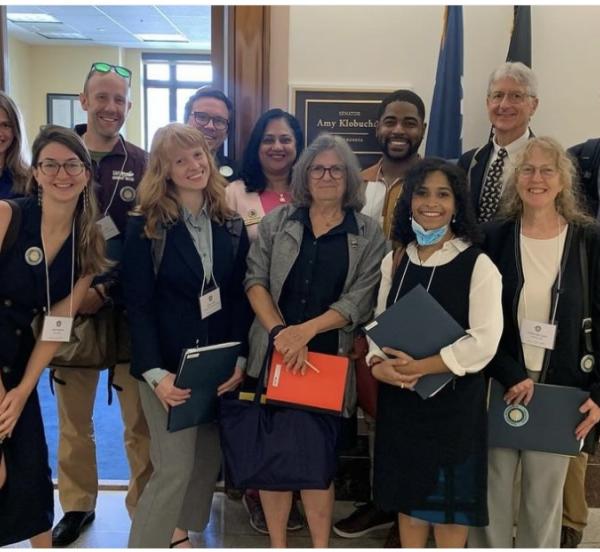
{"points": [[112, 463]]}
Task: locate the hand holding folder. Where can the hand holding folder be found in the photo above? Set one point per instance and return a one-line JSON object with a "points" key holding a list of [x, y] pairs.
{"points": [[202, 370], [419, 326], [321, 388]]}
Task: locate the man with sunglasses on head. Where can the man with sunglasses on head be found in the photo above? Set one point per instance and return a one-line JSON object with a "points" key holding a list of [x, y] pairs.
{"points": [[118, 168], [211, 112], [511, 103]]}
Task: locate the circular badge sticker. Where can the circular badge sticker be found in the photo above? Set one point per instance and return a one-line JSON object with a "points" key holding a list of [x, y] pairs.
{"points": [[34, 256], [127, 194], [516, 415], [226, 171], [587, 363]]}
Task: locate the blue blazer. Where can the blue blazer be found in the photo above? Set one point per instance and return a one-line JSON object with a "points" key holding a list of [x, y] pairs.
{"points": [[164, 312]]}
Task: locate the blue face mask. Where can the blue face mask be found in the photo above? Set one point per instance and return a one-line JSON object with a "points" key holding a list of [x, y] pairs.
{"points": [[428, 237]]}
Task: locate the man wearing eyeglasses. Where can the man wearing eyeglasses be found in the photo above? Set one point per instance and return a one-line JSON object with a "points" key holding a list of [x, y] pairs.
{"points": [[211, 112], [118, 168], [511, 103]]}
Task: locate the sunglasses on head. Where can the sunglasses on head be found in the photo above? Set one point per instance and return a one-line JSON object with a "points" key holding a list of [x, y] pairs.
{"points": [[102, 67]]}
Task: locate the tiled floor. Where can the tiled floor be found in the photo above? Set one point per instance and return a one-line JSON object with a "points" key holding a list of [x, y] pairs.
{"points": [[229, 528]]}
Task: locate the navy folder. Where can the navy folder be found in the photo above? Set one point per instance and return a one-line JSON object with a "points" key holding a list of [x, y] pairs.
{"points": [[202, 370], [419, 326], [546, 424]]}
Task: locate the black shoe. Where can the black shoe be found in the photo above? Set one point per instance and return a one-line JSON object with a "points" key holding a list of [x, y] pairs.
{"points": [[70, 526], [569, 537], [363, 520]]}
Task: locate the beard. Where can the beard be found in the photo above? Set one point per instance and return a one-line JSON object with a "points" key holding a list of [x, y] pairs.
{"points": [[413, 148]]}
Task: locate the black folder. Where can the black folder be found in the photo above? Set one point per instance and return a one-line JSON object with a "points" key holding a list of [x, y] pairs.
{"points": [[419, 326], [202, 370], [546, 424]]}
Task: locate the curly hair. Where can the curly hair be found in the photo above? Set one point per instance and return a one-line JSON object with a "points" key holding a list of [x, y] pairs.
{"points": [[463, 225], [158, 200], [569, 202], [252, 173]]}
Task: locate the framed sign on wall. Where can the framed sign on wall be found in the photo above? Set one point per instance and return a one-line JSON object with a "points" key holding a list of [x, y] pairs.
{"points": [[351, 114]]}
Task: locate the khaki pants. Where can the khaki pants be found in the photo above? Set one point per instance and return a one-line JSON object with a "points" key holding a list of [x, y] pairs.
{"points": [[575, 509], [77, 471]]}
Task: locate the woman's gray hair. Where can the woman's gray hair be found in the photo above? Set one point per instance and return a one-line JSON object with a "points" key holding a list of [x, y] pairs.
{"points": [[569, 201], [517, 71], [354, 198]]}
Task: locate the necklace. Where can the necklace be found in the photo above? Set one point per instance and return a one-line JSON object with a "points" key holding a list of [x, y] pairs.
{"points": [[282, 198]]}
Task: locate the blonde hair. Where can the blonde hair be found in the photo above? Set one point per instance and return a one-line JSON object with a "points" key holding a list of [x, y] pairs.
{"points": [[157, 197], [90, 244], [568, 202]]}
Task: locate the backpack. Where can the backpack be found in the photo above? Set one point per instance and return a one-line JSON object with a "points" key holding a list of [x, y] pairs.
{"points": [[14, 226], [587, 156], [234, 227]]}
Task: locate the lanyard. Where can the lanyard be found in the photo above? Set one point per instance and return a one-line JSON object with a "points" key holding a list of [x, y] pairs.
{"points": [[207, 277], [72, 269], [404, 274], [559, 270], [112, 197]]}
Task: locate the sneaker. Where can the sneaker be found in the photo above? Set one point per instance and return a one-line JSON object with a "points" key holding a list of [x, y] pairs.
{"points": [[257, 517], [569, 537], [393, 537], [296, 519], [363, 520]]}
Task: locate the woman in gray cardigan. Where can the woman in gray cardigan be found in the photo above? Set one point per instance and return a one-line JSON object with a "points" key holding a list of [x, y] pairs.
{"points": [[312, 277]]}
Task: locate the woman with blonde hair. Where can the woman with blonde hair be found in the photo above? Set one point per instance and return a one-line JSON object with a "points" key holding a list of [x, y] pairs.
{"points": [[14, 167], [537, 245], [50, 249], [182, 243]]}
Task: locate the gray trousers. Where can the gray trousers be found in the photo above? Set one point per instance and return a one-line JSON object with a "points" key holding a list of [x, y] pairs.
{"points": [[540, 505], [179, 494]]}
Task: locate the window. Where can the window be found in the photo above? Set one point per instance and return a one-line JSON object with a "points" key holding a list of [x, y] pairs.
{"points": [[169, 80], [64, 110]]}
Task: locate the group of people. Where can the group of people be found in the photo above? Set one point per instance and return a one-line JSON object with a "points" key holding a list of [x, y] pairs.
{"points": [[296, 249]]}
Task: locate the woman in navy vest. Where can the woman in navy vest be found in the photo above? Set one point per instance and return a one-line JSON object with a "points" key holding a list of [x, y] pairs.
{"points": [[204, 246], [430, 454], [50, 249]]}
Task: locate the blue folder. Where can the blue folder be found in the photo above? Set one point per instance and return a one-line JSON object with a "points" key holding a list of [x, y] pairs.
{"points": [[419, 326]]}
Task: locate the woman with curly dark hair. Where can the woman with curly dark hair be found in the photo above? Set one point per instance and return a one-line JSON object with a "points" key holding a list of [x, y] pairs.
{"points": [[430, 454]]}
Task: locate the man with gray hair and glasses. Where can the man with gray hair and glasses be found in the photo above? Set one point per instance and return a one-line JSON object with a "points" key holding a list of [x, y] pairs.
{"points": [[511, 102]]}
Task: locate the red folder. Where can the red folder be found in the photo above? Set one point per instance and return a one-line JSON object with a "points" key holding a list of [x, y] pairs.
{"points": [[322, 391]]}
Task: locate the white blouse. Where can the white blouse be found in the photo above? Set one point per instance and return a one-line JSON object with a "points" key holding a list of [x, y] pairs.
{"points": [[472, 352]]}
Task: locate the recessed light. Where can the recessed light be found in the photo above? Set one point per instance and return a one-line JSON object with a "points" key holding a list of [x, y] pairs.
{"points": [[32, 18], [64, 36], [156, 37]]}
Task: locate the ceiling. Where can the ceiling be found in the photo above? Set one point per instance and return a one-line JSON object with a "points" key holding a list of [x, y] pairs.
{"points": [[115, 25]]}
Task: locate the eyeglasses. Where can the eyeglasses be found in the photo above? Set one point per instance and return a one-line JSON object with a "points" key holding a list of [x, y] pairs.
{"points": [[511, 97], [528, 171], [318, 171], [102, 67], [51, 168], [203, 119]]}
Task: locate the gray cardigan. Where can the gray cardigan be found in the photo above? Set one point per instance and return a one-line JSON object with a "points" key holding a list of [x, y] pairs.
{"points": [[271, 258]]}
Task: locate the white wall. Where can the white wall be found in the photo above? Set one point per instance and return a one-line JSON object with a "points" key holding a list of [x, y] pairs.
{"points": [[391, 47]]}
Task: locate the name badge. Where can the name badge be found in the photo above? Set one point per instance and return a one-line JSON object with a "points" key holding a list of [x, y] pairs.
{"points": [[538, 334], [210, 302], [57, 328], [108, 227]]}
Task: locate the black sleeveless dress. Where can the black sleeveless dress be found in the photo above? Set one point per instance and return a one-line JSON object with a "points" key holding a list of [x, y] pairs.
{"points": [[431, 455], [26, 499]]}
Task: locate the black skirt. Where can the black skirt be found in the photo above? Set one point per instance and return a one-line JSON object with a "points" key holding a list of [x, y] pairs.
{"points": [[431, 455], [26, 499]]}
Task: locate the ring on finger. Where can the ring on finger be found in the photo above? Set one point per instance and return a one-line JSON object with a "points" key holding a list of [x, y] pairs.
{"points": [[401, 386]]}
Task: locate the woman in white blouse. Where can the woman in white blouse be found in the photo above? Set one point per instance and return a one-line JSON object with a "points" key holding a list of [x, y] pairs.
{"points": [[536, 246], [430, 455]]}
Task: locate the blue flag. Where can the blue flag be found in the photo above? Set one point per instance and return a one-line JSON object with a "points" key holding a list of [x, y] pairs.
{"points": [[444, 138]]}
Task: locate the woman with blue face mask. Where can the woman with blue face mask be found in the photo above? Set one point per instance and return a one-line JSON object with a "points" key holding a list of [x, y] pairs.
{"points": [[430, 454]]}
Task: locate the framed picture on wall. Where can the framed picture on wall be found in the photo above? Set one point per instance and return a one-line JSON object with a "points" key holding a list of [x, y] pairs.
{"points": [[348, 113], [65, 110]]}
